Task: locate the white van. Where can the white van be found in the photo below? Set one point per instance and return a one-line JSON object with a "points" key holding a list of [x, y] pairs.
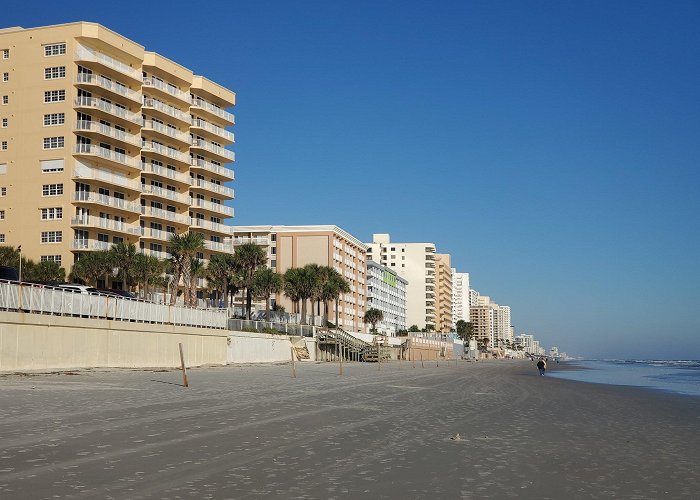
{"points": [[76, 288]]}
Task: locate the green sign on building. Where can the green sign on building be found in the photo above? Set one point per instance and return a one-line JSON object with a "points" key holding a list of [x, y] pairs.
{"points": [[390, 278]]}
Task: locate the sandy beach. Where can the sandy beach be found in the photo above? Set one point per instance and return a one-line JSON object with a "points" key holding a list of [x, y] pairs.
{"points": [[255, 432]]}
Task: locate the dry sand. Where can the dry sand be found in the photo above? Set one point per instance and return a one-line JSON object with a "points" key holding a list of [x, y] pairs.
{"points": [[254, 432]]}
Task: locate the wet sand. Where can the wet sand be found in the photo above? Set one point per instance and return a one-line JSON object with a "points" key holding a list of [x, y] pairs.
{"points": [[255, 432]]}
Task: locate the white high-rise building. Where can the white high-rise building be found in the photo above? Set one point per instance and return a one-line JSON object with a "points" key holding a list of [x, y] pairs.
{"points": [[460, 297], [502, 326], [415, 262], [386, 291]]}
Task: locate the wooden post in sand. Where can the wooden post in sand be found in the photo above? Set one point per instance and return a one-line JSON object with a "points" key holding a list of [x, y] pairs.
{"points": [[421, 360], [340, 360], [294, 365], [413, 357], [184, 369]]}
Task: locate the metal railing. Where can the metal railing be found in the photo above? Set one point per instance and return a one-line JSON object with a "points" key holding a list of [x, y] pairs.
{"points": [[41, 299], [283, 328]]}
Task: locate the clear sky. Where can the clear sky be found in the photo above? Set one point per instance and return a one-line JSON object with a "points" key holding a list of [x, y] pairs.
{"points": [[551, 147]]}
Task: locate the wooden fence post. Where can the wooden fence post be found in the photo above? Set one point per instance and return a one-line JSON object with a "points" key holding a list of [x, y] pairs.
{"points": [[184, 369]]}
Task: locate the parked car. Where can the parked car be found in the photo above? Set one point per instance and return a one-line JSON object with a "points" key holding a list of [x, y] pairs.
{"points": [[8, 273], [116, 292], [77, 288]]}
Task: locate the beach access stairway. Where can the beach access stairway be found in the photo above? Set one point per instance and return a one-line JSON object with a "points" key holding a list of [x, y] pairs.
{"points": [[334, 342]]}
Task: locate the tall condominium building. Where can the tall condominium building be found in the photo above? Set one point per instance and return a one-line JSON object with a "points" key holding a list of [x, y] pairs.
{"points": [[386, 291], [296, 246], [443, 299], [503, 331], [104, 142], [460, 297], [482, 319], [415, 262]]}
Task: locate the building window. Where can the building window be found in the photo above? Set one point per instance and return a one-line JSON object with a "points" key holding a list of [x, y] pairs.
{"points": [[6, 99], [54, 72], [5, 53], [55, 49], [5, 77], [2, 237], [51, 236], [51, 213], [51, 258], [52, 189], [4, 123], [2, 215], [48, 166], [53, 142], [3, 191], [3, 146], [54, 119], [54, 96]]}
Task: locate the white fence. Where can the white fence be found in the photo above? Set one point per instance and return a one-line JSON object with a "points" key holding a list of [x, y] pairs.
{"points": [[48, 300], [242, 325]]}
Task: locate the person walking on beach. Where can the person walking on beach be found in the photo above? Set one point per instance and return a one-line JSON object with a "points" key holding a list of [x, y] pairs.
{"points": [[541, 366]]}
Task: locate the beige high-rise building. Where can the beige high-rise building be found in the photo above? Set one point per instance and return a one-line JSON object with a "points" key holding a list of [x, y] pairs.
{"points": [[105, 142], [443, 296], [296, 246]]}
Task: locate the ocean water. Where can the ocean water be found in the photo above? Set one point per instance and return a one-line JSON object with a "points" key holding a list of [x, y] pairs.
{"points": [[680, 377]]}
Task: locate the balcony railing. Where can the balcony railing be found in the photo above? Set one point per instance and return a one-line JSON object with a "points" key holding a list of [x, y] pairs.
{"points": [[212, 167], [164, 129], [212, 226], [167, 109], [108, 154], [109, 201], [157, 234], [210, 127], [85, 244], [101, 222], [165, 193], [240, 240], [165, 172], [159, 213], [213, 148], [210, 186], [170, 89], [85, 54], [198, 102], [165, 151], [101, 128], [218, 246], [91, 102], [107, 177], [107, 84], [214, 207]]}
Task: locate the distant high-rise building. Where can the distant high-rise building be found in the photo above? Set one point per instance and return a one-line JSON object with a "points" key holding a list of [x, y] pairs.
{"points": [[386, 291], [460, 297], [443, 299]]}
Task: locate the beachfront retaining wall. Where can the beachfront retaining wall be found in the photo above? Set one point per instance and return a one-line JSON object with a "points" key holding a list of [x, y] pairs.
{"points": [[249, 347], [38, 342]]}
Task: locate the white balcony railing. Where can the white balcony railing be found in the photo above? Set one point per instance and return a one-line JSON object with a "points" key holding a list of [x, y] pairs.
{"points": [[213, 167], [210, 186], [214, 207], [165, 172], [107, 84], [218, 246], [159, 213], [165, 151], [170, 89], [256, 240], [109, 201], [91, 126], [213, 148], [198, 102], [107, 177], [85, 244], [101, 222], [166, 108], [165, 193], [210, 127], [94, 149], [212, 226], [164, 129], [91, 102], [85, 54]]}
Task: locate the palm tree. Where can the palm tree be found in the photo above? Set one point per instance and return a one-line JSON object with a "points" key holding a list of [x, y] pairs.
{"points": [[292, 278], [123, 256], [317, 276], [334, 286], [197, 270], [47, 271], [147, 269], [374, 316], [9, 256], [186, 246], [266, 282], [248, 258], [92, 266], [174, 268]]}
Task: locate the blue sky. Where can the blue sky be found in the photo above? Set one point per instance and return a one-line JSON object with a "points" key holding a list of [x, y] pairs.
{"points": [[550, 147]]}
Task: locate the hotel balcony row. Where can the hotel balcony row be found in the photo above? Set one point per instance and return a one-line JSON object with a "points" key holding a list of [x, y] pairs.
{"points": [[95, 245], [90, 80]]}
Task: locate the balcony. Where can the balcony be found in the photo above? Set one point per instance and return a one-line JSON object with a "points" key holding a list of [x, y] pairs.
{"points": [[256, 240], [106, 131], [94, 245], [200, 104], [107, 201], [155, 253], [216, 246], [212, 168], [166, 109], [210, 186], [223, 154], [165, 193], [102, 223], [165, 215], [168, 152], [89, 55], [170, 90], [119, 159], [165, 172], [155, 234], [91, 103], [169, 132], [107, 178], [118, 89], [219, 208], [224, 134], [211, 226]]}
